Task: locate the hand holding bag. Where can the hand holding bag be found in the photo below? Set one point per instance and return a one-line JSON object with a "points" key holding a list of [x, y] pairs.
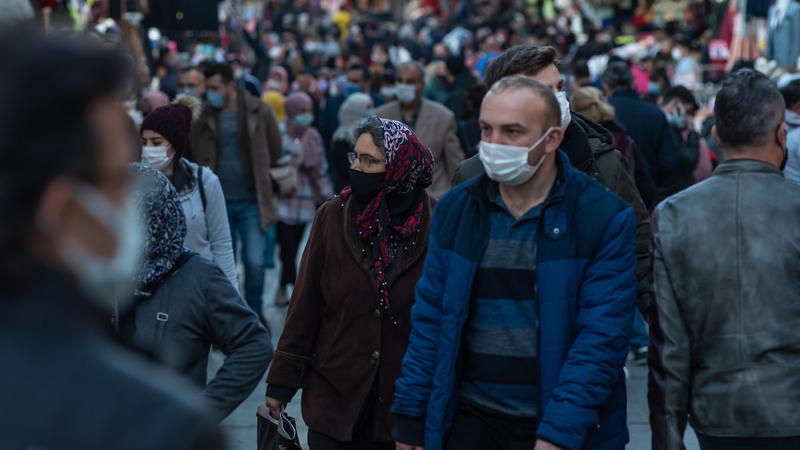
{"points": [[276, 434]]}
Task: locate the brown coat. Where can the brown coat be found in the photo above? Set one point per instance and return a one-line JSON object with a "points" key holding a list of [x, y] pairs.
{"points": [[436, 128], [337, 339], [263, 142]]}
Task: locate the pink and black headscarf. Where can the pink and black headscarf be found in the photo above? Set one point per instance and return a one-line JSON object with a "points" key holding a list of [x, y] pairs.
{"points": [[397, 212]]}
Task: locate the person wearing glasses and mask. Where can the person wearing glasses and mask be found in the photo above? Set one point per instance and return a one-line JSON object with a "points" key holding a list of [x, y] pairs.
{"points": [[348, 321], [523, 312]]}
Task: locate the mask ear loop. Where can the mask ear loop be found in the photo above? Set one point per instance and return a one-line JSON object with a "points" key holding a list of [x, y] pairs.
{"points": [[539, 142]]}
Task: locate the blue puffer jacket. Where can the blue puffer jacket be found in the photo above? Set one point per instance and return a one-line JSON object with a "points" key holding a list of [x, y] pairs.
{"points": [[586, 279]]}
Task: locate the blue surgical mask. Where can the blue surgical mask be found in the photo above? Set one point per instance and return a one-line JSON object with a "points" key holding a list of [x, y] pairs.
{"points": [[304, 119], [188, 91], [215, 99]]}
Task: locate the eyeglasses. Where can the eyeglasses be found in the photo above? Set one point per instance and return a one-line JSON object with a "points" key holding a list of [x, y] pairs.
{"points": [[364, 160]]}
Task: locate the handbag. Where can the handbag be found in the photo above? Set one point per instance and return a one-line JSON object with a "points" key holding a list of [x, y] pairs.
{"points": [[276, 434], [285, 177]]}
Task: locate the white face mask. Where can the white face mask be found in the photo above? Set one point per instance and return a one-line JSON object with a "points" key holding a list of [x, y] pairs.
{"points": [[275, 85], [108, 282], [508, 164], [563, 103], [406, 93], [304, 119], [388, 91], [156, 157]]}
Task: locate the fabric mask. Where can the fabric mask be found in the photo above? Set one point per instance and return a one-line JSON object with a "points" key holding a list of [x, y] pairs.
{"points": [[563, 103], [238, 73], [215, 99], [365, 186], [275, 85], [188, 91], [508, 164], [676, 120], [156, 157], [406, 93], [387, 91], [304, 119], [108, 282]]}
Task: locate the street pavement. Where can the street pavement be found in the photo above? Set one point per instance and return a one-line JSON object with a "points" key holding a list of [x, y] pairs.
{"points": [[240, 426]]}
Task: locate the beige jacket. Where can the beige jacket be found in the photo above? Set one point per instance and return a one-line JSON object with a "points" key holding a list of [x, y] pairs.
{"points": [[436, 128]]}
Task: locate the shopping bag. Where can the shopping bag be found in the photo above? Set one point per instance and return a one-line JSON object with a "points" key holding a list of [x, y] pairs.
{"points": [[276, 434]]}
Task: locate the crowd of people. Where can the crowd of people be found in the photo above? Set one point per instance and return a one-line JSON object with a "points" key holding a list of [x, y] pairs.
{"points": [[503, 205]]}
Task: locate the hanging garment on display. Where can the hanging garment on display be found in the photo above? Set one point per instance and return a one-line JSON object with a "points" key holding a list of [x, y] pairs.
{"points": [[783, 40]]}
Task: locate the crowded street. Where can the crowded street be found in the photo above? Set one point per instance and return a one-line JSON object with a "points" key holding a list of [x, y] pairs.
{"points": [[399, 225]]}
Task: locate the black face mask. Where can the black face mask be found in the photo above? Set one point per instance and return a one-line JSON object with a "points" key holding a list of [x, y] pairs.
{"points": [[365, 186]]}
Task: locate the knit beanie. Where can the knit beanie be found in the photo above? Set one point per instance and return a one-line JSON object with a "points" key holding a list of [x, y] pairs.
{"points": [[174, 122]]}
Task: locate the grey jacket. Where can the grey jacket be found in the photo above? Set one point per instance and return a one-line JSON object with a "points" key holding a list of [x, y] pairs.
{"points": [[724, 348], [207, 229], [194, 308]]}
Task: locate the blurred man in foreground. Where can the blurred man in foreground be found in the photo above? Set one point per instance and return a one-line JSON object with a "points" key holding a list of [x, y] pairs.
{"points": [[70, 244]]}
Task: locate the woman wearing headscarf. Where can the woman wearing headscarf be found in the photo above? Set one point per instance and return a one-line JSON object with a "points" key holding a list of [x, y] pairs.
{"points": [[165, 139], [353, 111], [348, 323], [277, 80], [185, 304], [305, 154]]}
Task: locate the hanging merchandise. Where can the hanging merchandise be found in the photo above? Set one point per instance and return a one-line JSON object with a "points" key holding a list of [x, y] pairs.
{"points": [[783, 39]]}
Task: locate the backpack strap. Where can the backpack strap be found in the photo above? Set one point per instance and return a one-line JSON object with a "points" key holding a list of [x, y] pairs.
{"points": [[201, 187]]}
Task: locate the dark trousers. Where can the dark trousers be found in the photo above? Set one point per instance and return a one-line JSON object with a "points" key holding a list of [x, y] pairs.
{"points": [[319, 441], [728, 443], [289, 238], [475, 429]]}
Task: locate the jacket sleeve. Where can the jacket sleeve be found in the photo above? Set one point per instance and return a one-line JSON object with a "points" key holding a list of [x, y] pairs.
{"points": [[669, 358], [644, 264], [219, 233], [273, 134], [316, 165], [235, 329], [453, 153], [667, 146], [413, 387], [604, 319], [304, 314]]}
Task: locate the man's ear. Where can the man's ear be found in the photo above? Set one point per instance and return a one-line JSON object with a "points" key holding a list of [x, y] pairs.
{"points": [[782, 134], [715, 136], [554, 139]]}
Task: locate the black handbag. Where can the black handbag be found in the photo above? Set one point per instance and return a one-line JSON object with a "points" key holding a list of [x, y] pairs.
{"points": [[276, 434]]}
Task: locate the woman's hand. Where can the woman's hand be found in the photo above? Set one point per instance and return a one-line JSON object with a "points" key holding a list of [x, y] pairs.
{"points": [[275, 406], [544, 445], [401, 446]]}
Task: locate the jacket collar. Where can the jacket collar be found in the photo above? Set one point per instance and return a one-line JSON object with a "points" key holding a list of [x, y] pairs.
{"points": [[404, 260], [245, 104], [744, 166], [554, 209], [627, 93]]}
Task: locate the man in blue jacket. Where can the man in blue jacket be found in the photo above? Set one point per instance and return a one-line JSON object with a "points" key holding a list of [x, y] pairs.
{"points": [[523, 311]]}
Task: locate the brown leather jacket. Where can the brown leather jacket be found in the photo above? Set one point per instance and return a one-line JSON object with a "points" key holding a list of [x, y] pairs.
{"points": [[262, 147], [724, 346], [337, 339]]}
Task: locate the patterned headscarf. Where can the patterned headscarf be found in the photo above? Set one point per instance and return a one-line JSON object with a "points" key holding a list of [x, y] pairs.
{"points": [[165, 224], [409, 170]]}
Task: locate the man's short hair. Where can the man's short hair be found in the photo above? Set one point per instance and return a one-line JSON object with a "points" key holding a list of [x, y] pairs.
{"points": [[365, 73], [791, 93], [516, 82], [748, 110], [519, 60], [618, 76], [221, 69], [192, 68], [416, 65]]}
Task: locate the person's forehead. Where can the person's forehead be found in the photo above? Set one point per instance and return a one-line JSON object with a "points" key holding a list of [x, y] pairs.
{"points": [[514, 106], [409, 72]]}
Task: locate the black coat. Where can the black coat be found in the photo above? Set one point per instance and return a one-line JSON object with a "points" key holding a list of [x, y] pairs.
{"points": [[67, 384]]}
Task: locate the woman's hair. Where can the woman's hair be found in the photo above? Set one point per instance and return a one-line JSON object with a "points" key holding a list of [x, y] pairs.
{"points": [[590, 102], [371, 125]]}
